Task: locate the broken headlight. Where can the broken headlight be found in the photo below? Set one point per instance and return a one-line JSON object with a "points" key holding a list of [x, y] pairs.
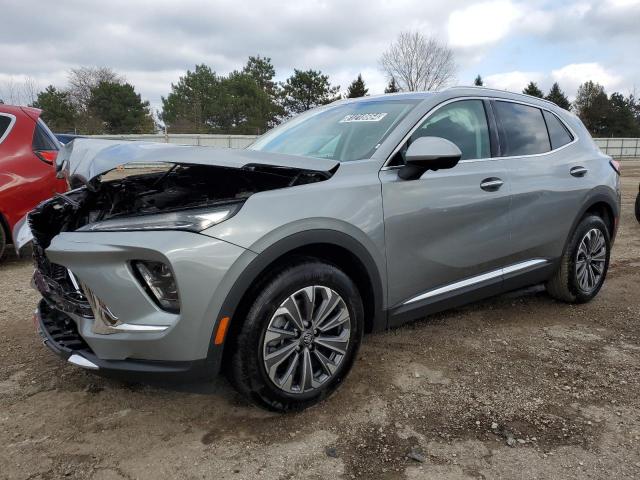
{"points": [[192, 220], [159, 282]]}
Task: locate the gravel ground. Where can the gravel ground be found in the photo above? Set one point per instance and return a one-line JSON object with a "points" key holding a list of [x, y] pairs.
{"points": [[518, 386]]}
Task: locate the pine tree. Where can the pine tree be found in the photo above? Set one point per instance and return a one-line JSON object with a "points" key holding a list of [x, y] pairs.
{"points": [[558, 97], [357, 88], [478, 81], [533, 90], [392, 87]]}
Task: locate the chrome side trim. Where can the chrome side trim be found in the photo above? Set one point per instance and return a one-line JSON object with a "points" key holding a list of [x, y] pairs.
{"points": [[477, 279], [130, 327], [80, 361], [12, 122]]}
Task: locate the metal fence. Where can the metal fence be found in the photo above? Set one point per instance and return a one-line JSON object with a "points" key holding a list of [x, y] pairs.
{"points": [[616, 147], [209, 140], [619, 147]]}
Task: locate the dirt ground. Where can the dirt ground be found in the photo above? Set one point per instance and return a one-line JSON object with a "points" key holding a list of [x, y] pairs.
{"points": [[519, 386]]}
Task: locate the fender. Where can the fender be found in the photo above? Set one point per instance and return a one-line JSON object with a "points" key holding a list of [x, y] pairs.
{"points": [[600, 194], [267, 256]]}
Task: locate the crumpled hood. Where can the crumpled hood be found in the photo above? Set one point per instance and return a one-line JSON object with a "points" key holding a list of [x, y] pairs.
{"points": [[84, 159]]}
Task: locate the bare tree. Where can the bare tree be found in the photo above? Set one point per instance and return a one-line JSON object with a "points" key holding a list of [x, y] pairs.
{"points": [[83, 79], [417, 62], [30, 89]]}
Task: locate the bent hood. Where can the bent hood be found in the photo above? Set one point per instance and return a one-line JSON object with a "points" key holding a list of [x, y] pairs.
{"points": [[84, 159]]}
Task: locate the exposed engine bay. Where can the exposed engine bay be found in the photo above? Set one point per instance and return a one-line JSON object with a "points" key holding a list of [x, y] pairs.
{"points": [[180, 187]]}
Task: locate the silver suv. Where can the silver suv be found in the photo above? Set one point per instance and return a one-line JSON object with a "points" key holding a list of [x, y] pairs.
{"points": [[270, 263]]}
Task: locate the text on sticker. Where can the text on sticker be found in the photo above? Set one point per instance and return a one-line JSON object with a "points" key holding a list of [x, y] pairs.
{"points": [[363, 117]]}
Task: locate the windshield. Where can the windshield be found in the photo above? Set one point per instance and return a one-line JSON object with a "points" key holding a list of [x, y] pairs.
{"points": [[351, 131]]}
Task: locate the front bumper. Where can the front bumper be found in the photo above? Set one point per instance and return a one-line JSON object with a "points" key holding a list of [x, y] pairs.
{"points": [[60, 333], [154, 340]]}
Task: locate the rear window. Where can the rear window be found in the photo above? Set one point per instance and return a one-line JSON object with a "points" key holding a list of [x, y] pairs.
{"points": [[558, 133], [43, 139], [5, 123], [524, 131]]}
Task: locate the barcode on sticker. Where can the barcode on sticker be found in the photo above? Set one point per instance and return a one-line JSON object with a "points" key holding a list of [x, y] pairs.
{"points": [[363, 117]]}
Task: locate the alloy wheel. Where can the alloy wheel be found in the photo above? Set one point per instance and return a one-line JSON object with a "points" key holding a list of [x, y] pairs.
{"points": [[306, 339], [590, 260]]}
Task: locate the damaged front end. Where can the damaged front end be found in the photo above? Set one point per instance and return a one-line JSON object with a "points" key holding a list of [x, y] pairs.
{"points": [[170, 188]]}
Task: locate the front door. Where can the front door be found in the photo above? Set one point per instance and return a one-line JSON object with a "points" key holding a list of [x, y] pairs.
{"points": [[447, 232]]}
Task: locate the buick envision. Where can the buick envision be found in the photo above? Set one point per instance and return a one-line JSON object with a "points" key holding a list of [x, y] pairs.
{"points": [[270, 263]]}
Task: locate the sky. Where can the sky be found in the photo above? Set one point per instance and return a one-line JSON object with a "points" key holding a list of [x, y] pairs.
{"points": [[153, 43]]}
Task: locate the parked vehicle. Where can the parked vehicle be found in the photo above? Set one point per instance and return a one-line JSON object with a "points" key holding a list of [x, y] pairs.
{"points": [[28, 151], [270, 263], [65, 138]]}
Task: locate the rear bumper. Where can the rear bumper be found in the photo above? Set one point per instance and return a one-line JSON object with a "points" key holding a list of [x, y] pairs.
{"points": [[60, 334]]}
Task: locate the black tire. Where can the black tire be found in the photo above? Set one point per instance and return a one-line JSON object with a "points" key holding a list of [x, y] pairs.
{"points": [[246, 368], [638, 207], [3, 241], [565, 284]]}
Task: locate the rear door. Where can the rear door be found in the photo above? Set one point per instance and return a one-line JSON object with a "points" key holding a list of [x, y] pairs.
{"points": [[447, 232], [546, 192]]}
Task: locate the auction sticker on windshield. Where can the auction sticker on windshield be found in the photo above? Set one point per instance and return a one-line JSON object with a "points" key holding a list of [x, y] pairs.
{"points": [[363, 117]]}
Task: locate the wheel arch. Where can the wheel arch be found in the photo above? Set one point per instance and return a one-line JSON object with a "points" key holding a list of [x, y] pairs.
{"points": [[603, 203], [334, 247]]}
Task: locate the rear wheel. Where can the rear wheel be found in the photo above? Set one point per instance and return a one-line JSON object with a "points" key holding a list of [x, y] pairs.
{"points": [[300, 337], [638, 207], [3, 241], [584, 264]]}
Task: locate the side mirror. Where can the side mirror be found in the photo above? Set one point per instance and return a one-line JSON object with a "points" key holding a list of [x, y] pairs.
{"points": [[429, 153]]}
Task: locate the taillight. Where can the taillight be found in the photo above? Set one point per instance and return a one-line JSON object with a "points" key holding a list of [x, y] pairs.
{"points": [[47, 156], [615, 164]]}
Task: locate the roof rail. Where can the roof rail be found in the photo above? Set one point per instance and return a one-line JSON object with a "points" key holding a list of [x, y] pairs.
{"points": [[458, 87]]}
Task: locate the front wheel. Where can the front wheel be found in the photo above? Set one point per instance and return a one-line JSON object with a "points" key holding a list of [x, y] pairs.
{"points": [[584, 264], [3, 242], [638, 207], [300, 337]]}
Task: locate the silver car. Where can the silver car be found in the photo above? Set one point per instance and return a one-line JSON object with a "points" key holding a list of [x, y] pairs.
{"points": [[270, 263]]}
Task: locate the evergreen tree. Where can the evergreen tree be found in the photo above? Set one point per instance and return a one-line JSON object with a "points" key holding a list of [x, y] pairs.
{"points": [[558, 97], [192, 106], [306, 89], [120, 108], [533, 90], [592, 106], [620, 121], [392, 87], [57, 109], [357, 88], [478, 81]]}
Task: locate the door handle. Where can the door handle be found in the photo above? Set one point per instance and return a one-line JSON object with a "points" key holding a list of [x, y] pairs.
{"points": [[578, 171], [491, 184]]}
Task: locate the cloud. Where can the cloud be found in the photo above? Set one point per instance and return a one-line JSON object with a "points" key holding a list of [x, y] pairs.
{"points": [[481, 24], [153, 42], [573, 75], [512, 81]]}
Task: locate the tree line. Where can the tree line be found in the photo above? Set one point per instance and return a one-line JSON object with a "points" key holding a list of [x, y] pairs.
{"points": [[614, 115], [251, 101]]}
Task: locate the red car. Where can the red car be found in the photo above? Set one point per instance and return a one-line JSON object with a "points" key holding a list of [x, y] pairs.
{"points": [[28, 151]]}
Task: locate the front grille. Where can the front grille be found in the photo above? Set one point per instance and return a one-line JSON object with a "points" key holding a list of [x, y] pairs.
{"points": [[55, 285], [60, 329]]}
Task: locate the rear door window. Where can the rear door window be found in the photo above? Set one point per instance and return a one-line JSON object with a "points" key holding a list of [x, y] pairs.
{"points": [[523, 129], [558, 133]]}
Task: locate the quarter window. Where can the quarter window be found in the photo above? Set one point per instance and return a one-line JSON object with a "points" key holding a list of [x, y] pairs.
{"points": [[558, 133], [464, 123], [5, 121], [524, 131]]}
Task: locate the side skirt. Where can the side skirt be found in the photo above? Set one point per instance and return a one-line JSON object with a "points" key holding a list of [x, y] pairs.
{"points": [[471, 290]]}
